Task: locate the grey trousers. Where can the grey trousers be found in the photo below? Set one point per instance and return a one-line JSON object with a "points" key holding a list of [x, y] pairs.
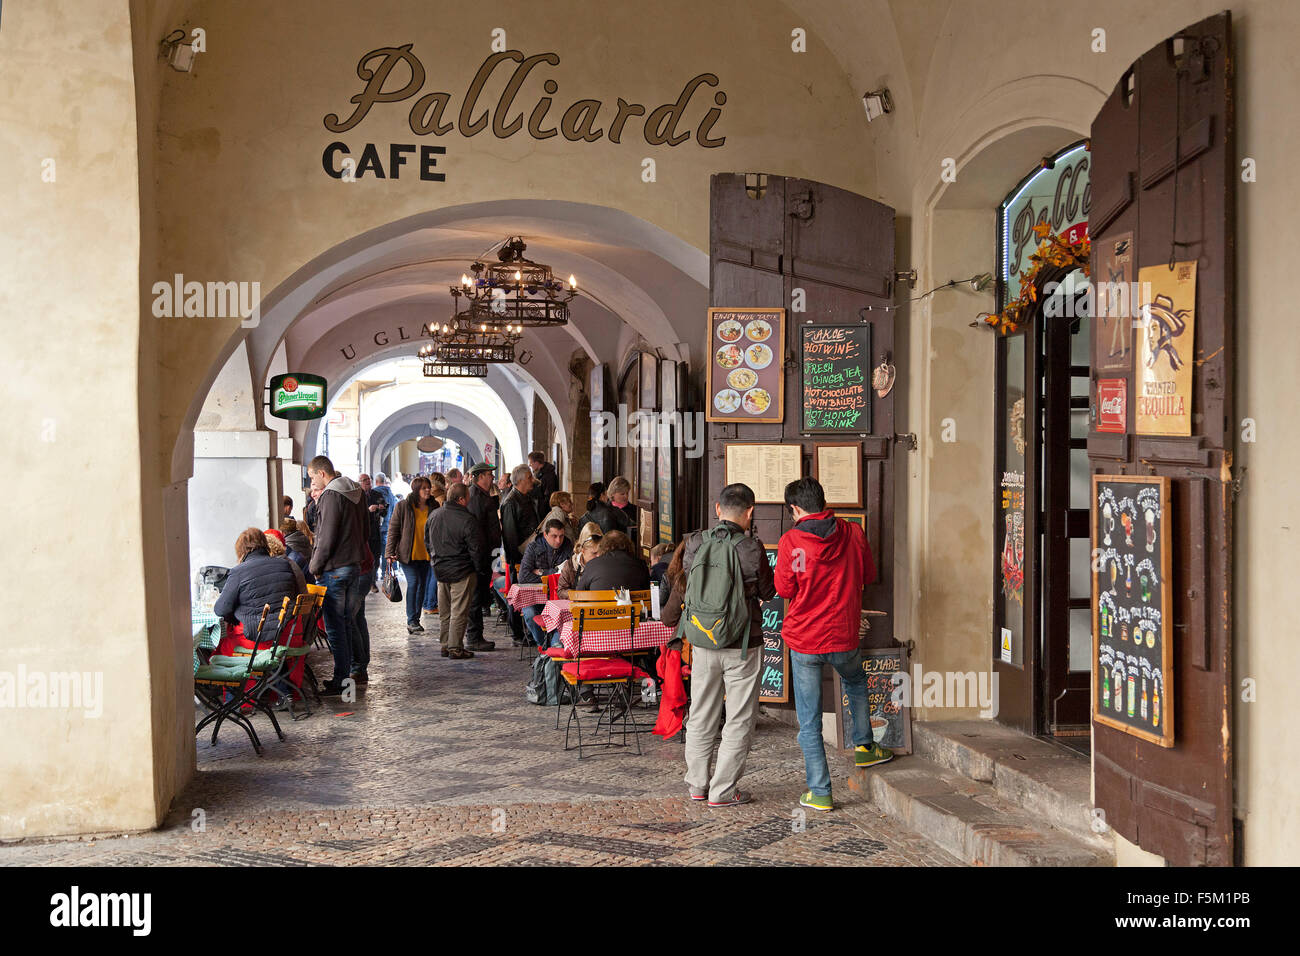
{"points": [[453, 602], [712, 674]]}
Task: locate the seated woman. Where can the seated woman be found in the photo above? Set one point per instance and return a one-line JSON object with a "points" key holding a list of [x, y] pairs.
{"points": [[588, 541], [277, 543], [256, 580], [544, 555], [616, 565], [561, 503]]}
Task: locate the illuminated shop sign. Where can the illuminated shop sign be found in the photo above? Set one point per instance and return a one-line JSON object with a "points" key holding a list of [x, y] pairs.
{"points": [[1059, 196], [297, 396]]}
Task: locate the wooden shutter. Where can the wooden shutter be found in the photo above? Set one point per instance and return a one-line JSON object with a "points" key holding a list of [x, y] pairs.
{"points": [[1178, 802], [838, 247]]}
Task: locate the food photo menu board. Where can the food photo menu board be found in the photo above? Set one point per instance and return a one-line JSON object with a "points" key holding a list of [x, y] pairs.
{"points": [[746, 365], [1132, 629]]}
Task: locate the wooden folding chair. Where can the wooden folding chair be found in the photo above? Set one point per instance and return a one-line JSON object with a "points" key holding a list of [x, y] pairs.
{"points": [[276, 662], [616, 673], [225, 688]]}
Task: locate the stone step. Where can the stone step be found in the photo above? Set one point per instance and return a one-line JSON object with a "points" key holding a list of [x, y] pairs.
{"points": [[1051, 783], [968, 818]]}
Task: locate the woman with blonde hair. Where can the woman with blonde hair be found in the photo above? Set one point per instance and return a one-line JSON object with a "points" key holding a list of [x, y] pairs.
{"points": [[561, 503], [258, 579], [588, 542]]}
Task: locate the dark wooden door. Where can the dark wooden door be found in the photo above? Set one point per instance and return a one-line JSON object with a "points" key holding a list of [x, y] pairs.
{"points": [[1166, 130], [771, 236]]}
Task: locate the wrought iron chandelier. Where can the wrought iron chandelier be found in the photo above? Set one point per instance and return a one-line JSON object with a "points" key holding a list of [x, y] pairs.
{"points": [[514, 290], [461, 342]]}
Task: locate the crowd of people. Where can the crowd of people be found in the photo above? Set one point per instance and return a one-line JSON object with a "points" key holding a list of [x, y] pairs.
{"points": [[444, 536]]}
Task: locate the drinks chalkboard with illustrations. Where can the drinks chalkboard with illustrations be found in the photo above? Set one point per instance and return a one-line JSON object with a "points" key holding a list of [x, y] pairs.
{"points": [[1132, 677]]}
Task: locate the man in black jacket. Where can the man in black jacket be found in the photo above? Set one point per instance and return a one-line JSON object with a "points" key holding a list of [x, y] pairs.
{"points": [[518, 521], [341, 560], [483, 508], [544, 555], [545, 481], [455, 542]]}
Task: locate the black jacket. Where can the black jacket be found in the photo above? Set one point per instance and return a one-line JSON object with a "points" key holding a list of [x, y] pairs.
{"points": [[257, 580], [759, 584], [540, 556], [343, 538], [455, 542], [618, 569], [376, 518], [545, 483], [518, 521], [483, 507], [607, 516]]}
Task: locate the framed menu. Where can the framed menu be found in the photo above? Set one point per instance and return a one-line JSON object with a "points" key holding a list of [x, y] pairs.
{"points": [[838, 466], [1132, 627], [746, 365], [767, 469], [836, 394]]}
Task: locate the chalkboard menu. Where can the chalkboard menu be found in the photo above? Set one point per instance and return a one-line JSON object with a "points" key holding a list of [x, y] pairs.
{"points": [[746, 365], [880, 664], [836, 394], [1132, 675], [774, 686]]}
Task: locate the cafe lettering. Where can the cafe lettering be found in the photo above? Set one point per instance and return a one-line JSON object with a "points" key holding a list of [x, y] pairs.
{"points": [[584, 120]]}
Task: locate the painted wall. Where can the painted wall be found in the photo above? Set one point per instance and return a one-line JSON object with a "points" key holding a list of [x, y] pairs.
{"points": [[68, 380]]}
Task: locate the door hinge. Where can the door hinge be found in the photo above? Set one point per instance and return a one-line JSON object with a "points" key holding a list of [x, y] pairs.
{"points": [[909, 277], [908, 439]]}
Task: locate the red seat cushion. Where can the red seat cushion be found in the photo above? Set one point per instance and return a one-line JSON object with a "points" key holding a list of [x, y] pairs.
{"points": [[558, 653], [604, 669]]}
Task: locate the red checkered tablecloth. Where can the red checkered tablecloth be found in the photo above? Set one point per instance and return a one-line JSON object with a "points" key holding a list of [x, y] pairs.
{"points": [[554, 614], [648, 634], [526, 595]]}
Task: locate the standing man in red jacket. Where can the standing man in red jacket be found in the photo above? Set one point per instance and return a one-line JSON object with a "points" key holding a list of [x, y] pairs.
{"points": [[822, 565]]}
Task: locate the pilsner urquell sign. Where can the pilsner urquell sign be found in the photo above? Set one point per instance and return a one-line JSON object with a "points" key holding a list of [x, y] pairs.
{"points": [[297, 396]]}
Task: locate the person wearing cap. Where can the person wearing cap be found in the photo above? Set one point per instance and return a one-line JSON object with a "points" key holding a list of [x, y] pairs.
{"points": [[483, 507]]}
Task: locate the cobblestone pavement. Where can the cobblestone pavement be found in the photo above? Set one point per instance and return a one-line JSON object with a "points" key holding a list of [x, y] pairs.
{"points": [[442, 761]]}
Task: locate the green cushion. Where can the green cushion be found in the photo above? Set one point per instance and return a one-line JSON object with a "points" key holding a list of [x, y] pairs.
{"points": [[218, 674], [265, 659]]}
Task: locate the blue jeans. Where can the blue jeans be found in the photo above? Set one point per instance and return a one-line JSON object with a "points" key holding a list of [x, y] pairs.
{"points": [[529, 614], [806, 672], [340, 611], [360, 631], [431, 590], [417, 578]]}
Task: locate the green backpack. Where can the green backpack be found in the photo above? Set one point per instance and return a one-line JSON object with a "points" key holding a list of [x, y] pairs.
{"points": [[715, 614]]}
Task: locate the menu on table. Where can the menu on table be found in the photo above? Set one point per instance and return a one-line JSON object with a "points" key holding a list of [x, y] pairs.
{"points": [[767, 469], [746, 365], [1133, 688], [836, 395]]}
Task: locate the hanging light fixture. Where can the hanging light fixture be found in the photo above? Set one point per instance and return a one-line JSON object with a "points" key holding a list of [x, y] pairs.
{"points": [[514, 290], [439, 423]]}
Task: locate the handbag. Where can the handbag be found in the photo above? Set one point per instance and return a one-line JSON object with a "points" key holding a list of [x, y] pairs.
{"points": [[389, 585]]}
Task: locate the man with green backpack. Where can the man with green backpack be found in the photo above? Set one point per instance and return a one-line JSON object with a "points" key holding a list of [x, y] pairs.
{"points": [[727, 580]]}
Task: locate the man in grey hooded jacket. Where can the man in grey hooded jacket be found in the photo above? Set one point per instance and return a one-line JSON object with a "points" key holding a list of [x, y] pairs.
{"points": [[341, 560]]}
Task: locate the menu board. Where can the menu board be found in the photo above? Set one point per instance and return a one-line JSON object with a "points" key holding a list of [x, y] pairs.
{"points": [[746, 365], [880, 665], [774, 686], [836, 362], [664, 499], [767, 469], [1132, 675]]}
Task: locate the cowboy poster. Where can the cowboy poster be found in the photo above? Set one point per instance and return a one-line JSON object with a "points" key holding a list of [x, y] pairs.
{"points": [[1165, 350]]}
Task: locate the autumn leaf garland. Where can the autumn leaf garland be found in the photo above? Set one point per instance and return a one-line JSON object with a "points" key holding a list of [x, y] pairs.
{"points": [[1053, 252]]}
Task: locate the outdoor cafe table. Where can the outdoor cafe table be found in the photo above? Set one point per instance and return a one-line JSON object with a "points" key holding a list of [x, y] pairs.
{"points": [[554, 614], [648, 634], [521, 596]]}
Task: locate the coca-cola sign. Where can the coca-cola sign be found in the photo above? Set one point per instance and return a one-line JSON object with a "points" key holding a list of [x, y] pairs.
{"points": [[1112, 405]]}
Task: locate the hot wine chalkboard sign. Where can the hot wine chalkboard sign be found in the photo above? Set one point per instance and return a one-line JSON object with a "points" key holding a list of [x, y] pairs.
{"points": [[774, 684], [836, 379]]}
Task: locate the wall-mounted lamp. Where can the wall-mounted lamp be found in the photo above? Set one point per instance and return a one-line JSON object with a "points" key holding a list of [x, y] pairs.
{"points": [[877, 103], [981, 282]]}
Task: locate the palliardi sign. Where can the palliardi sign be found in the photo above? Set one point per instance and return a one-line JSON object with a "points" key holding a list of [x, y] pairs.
{"points": [[584, 120]]}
